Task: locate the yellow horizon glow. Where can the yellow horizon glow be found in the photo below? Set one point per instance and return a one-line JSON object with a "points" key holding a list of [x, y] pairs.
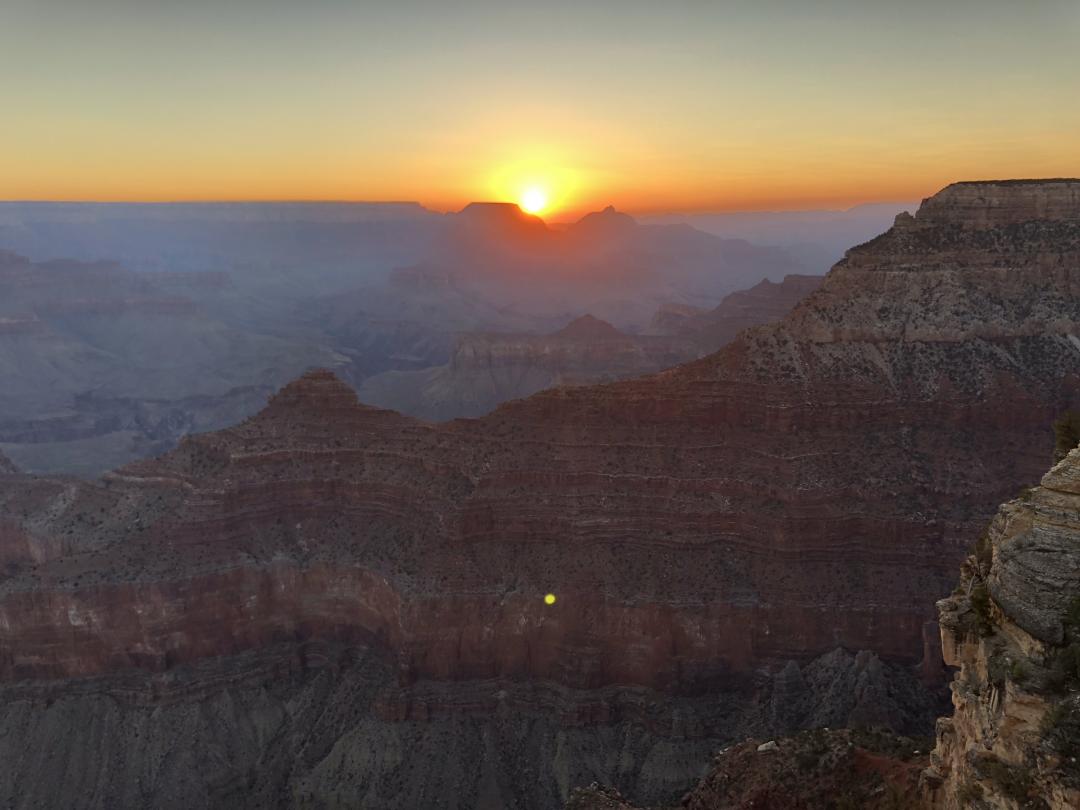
{"points": [[702, 109]]}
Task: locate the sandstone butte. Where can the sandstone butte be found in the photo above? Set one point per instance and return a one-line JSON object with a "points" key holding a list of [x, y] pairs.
{"points": [[813, 485]]}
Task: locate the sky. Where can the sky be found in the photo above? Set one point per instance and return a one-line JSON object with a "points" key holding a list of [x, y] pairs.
{"points": [[651, 106]]}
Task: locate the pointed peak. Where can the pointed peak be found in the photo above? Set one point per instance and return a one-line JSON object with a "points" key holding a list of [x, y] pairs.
{"points": [[7, 466], [608, 219], [317, 388], [589, 327]]}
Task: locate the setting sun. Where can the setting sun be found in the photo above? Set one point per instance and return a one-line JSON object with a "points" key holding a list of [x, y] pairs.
{"points": [[533, 200]]}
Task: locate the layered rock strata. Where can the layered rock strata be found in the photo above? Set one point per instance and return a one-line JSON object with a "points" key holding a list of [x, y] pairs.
{"points": [[487, 369], [1013, 629], [766, 302], [811, 486], [816, 770]]}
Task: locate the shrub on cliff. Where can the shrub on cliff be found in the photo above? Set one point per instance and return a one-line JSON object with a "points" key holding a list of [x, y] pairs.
{"points": [[980, 605], [984, 552], [1066, 434], [1071, 620], [1014, 781], [1061, 732], [1065, 661]]}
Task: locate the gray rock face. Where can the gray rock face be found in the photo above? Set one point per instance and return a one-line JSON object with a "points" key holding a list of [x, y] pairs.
{"points": [[1037, 569], [1011, 629], [331, 726], [842, 689], [264, 732]]}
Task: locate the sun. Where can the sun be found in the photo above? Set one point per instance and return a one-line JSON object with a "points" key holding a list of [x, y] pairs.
{"points": [[533, 200]]}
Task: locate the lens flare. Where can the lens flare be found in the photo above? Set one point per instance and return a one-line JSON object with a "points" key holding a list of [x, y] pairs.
{"points": [[549, 599]]}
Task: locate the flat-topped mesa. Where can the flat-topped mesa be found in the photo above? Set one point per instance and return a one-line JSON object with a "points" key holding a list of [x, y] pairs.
{"points": [[995, 203], [499, 214], [978, 261]]}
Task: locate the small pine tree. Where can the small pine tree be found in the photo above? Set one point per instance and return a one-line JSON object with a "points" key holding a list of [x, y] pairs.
{"points": [[1066, 434]]}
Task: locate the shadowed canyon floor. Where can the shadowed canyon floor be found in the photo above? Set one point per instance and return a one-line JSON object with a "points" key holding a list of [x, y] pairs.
{"points": [[811, 486]]}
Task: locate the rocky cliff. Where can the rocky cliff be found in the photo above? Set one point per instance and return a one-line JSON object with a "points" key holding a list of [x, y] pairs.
{"points": [[813, 485], [766, 302], [816, 770], [1013, 629], [487, 369]]}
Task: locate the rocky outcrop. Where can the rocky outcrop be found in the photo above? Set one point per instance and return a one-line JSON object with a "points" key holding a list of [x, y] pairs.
{"points": [[811, 486], [766, 302], [487, 369], [814, 770], [1013, 629], [6, 466]]}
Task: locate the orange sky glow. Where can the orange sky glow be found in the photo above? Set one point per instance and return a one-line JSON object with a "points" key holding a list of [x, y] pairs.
{"points": [[651, 107]]}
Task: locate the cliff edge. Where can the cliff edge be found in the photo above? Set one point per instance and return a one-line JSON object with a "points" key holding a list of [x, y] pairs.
{"points": [[1013, 629]]}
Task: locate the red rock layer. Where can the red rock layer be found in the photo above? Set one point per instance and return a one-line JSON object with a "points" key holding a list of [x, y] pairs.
{"points": [[812, 485]]}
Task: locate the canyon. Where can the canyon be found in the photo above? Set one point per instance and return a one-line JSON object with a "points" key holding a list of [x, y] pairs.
{"points": [[328, 597], [489, 368], [201, 311], [1011, 629]]}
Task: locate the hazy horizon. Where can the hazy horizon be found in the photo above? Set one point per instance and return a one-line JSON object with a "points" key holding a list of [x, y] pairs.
{"points": [[765, 106], [559, 217]]}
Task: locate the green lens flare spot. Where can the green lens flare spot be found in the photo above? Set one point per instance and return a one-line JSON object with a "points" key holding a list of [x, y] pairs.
{"points": [[549, 599]]}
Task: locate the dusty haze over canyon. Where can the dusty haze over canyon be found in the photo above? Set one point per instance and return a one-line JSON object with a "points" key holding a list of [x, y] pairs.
{"points": [[571, 406], [749, 543]]}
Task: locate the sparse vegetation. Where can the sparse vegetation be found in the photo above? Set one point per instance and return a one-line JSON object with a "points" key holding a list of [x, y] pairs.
{"points": [[1064, 668], [1066, 434], [984, 551], [1014, 781], [1061, 730], [1071, 620], [969, 793], [1019, 672], [980, 605]]}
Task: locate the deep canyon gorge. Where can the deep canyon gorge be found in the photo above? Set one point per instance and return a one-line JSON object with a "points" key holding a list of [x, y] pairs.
{"points": [[332, 604]]}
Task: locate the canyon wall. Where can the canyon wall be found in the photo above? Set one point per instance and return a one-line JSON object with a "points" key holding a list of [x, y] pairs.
{"points": [[1013, 630], [811, 486], [489, 368]]}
